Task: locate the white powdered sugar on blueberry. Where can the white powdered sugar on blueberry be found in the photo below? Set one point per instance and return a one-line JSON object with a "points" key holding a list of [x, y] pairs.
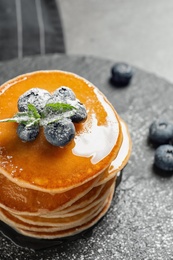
{"points": [[27, 133], [56, 113], [35, 96], [60, 133]]}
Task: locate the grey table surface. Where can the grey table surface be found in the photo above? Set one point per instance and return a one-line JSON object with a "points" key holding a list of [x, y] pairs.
{"points": [[139, 224]]}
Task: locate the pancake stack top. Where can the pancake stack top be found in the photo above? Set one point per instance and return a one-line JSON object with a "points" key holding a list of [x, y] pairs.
{"points": [[53, 192]]}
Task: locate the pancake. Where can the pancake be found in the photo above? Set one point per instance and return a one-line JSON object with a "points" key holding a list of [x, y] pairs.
{"points": [[49, 191]]}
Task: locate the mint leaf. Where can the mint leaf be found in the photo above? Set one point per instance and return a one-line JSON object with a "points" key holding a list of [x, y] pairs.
{"points": [[33, 111], [13, 119], [63, 110], [28, 118], [60, 107], [32, 116]]}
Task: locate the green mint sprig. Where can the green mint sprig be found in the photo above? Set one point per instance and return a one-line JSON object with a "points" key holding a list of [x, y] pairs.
{"points": [[32, 116], [60, 107]]}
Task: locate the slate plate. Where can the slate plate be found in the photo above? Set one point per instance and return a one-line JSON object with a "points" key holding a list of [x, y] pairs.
{"points": [[139, 224]]}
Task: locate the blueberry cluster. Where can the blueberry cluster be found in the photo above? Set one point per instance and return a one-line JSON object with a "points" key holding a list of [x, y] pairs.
{"points": [[121, 74], [56, 113], [161, 134]]}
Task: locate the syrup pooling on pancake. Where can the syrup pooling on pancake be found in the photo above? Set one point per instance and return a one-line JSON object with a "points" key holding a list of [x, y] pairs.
{"points": [[41, 176], [50, 191], [108, 134]]}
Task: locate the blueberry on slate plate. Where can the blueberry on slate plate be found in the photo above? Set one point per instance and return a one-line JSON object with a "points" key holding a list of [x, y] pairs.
{"points": [[59, 133], [36, 96], [161, 131], [121, 74], [64, 93], [27, 133], [164, 157]]}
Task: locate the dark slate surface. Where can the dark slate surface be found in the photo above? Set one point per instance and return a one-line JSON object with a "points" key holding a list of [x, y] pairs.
{"points": [[139, 224]]}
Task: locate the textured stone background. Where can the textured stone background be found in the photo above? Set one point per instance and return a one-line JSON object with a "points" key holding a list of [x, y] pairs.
{"points": [[139, 224]]}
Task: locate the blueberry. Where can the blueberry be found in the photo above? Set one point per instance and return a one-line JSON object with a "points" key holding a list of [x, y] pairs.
{"points": [[121, 74], [59, 133], [161, 131], [64, 93], [164, 157], [36, 96], [80, 113], [77, 114], [27, 133]]}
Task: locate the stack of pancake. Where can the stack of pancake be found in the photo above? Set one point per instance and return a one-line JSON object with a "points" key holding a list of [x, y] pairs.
{"points": [[54, 192]]}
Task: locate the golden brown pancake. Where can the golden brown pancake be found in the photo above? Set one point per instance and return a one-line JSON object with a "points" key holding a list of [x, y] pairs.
{"points": [[49, 191]]}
